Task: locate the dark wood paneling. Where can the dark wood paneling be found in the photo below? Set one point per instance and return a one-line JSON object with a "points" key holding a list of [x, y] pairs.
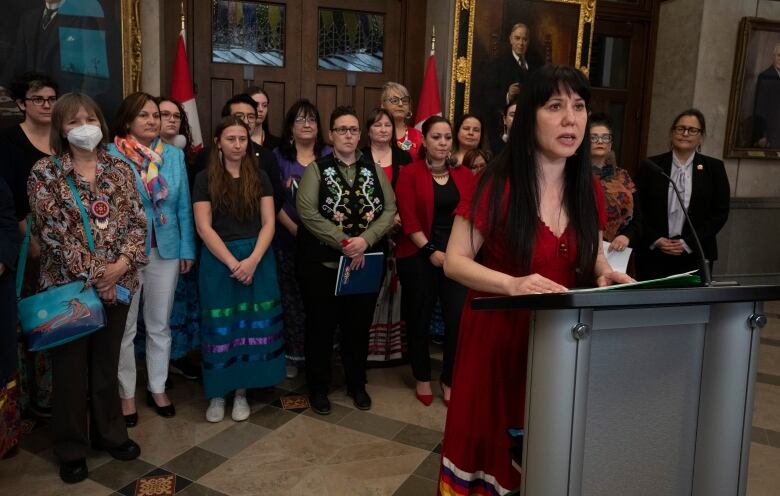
{"points": [[221, 91], [326, 100], [276, 110]]}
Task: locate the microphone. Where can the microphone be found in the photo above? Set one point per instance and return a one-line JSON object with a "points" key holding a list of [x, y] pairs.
{"points": [[704, 265]]}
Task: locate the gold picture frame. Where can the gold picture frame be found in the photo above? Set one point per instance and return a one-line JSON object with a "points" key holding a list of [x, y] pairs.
{"points": [[479, 31], [132, 47], [753, 124]]}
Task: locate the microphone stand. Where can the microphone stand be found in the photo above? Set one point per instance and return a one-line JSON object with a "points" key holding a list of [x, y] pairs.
{"points": [[704, 264]]}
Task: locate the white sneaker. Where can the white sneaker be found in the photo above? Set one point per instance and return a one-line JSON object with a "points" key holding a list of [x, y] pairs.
{"points": [[240, 408], [292, 371], [216, 410]]}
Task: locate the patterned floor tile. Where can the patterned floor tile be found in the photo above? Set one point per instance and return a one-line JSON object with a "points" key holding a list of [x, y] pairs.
{"points": [[194, 463], [295, 402], [159, 482]]}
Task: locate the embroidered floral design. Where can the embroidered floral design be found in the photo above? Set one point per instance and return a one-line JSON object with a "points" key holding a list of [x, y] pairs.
{"points": [[347, 205]]}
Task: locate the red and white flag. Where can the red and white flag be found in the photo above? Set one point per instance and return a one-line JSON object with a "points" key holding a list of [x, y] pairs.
{"points": [[429, 103], [182, 91]]}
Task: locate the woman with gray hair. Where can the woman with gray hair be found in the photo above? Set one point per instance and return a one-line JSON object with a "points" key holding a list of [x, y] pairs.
{"points": [[396, 100]]}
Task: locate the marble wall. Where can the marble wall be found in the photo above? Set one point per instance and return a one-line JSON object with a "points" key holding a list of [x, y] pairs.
{"points": [[693, 68]]}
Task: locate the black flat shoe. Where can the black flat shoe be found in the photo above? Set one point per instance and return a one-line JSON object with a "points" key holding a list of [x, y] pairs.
{"points": [[131, 420], [320, 403], [74, 471], [129, 450], [167, 411], [360, 399]]}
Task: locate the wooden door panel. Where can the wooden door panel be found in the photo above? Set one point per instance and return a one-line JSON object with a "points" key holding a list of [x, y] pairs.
{"points": [[221, 91], [277, 92]]}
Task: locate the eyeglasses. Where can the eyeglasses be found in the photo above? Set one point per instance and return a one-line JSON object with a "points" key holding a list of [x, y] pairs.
{"points": [[245, 117], [172, 115], [601, 138], [341, 131], [309, 118], [39, 100], [681, 130], [395, 100]]}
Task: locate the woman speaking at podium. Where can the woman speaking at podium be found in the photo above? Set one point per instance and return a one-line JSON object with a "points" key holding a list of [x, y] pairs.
{"points": [[536, 219]]}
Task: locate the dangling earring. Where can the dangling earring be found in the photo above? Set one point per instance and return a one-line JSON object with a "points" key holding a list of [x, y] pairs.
{"points": [[221, 158], [409, 115]]}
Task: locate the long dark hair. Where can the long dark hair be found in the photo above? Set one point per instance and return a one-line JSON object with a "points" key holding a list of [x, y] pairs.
{"points": [[244, 202], [518, 217], [128, 110], [286, 143], [256, 90]]}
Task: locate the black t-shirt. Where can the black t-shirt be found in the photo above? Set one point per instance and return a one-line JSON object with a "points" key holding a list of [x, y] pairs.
{"points": [[227, 226], [17, 157]]}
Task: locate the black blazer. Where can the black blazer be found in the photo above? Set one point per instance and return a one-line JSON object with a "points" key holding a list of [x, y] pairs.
{"points": [[9, 249], [708, 208]]}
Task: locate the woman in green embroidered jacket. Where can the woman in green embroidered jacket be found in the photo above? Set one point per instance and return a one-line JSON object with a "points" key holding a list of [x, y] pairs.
{"points": [[241, 329], [346, 206]]}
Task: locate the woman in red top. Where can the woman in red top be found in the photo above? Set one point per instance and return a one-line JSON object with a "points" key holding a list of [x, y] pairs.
{"points": [[428, 191], [536, 219]]}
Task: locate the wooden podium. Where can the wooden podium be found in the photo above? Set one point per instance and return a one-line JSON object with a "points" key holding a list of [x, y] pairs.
{"points": [[640, 392]]}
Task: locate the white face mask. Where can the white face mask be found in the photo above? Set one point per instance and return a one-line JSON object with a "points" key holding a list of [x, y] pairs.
{"points": [[86, 137]]}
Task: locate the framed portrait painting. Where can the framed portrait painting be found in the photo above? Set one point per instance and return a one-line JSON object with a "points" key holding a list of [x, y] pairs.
{"points": [[90, 46], [497, 44], [753, 128]]}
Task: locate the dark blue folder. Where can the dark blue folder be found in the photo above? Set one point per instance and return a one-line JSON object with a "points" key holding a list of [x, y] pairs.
{"points": [[362, 281]]}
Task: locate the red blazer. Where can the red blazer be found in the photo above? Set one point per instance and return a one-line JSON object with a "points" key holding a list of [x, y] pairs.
{"points": [[414, 197]]}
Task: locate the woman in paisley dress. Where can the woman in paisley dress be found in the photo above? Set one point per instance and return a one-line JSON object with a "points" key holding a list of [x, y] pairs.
{"points": [[620, 193], [85, 370]]}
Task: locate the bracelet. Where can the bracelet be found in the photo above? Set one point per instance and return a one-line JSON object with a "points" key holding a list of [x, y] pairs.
{"points": [[430, 248]]}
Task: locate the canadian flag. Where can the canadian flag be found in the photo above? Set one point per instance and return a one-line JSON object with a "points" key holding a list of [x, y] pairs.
{"points": [[182, 91], [429, 103]]}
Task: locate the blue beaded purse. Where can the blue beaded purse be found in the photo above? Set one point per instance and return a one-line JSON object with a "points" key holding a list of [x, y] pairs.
{"points": [[60, 314]]}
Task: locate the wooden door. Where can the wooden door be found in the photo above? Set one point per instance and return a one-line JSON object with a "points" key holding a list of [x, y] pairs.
{"points": [[301, 75], [620, 84], [328, 88]]}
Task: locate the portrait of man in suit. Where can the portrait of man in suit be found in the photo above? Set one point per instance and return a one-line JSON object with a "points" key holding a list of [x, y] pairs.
{"points": [[69, 40], [767, 105]]}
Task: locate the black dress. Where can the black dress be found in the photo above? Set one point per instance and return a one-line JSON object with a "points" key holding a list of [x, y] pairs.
{"points": [[17, 156]]}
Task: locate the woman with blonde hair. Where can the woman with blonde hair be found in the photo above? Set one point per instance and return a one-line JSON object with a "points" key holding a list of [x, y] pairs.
{"points": [[397, 101]]}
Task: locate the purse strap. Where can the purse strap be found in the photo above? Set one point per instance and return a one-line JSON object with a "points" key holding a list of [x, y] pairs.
{"points": [[77, 199], [21, 265]]}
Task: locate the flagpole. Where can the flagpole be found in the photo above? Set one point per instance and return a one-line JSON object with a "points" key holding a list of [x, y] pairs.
{"points": [[183, 20], [433, 39]]}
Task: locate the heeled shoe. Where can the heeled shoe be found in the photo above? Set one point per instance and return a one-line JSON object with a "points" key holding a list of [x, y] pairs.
{"points": [[131, 420], [446, 401], [425, 399], [166, 411]]}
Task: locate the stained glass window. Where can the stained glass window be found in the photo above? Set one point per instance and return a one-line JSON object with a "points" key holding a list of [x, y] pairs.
{"points": [[351, 41], [247, 33]]}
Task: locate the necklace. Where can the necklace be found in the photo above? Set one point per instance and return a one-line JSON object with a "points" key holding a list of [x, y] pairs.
{"points": [[406, 143]]}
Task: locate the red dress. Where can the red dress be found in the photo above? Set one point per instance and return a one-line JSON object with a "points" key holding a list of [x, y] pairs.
{"points": [[488, 390]]}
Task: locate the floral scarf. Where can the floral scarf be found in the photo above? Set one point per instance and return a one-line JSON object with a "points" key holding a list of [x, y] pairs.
{"points": [[148, 162]]}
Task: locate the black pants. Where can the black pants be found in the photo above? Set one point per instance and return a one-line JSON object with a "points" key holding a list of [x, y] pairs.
{"points": [[86, 389], [352, 314], [421, 285], [652, 264]]}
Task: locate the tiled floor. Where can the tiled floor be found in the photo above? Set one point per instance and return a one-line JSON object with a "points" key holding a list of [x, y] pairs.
{"points": [[391, 450]]}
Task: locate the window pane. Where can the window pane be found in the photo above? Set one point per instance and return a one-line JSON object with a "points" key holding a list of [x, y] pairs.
{"points": [[609, 62], [247, 33], [351, 41]]}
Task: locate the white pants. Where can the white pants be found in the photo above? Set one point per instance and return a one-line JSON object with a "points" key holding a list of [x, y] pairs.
{"points": [[158, 280]]}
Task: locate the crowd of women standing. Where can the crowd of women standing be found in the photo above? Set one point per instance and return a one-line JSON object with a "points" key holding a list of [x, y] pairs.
{"points": [[251, 299]]}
